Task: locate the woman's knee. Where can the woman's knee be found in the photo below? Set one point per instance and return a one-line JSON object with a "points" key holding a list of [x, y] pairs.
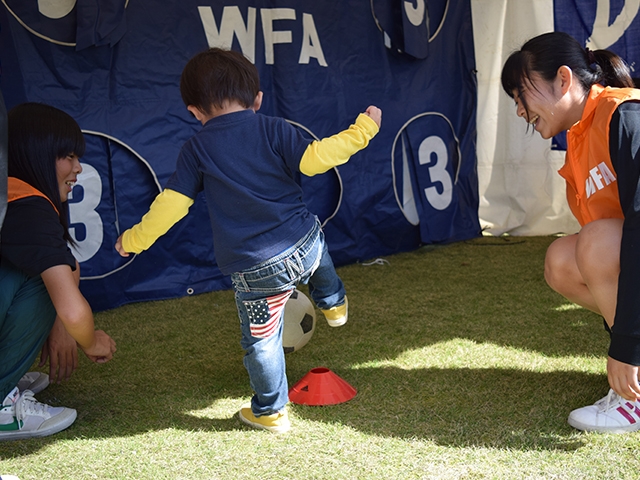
{"points": [[598, 247], [560, 263]]}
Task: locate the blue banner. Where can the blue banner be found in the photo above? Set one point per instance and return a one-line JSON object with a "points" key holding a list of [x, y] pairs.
{"points": [[115, 67], [601, 25]]}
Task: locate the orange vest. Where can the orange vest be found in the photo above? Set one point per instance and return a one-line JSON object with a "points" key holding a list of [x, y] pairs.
{"points": [[592, 190], [17, 189]]}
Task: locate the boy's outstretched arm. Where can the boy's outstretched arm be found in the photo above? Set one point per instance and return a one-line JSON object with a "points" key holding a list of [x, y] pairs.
{"points": [[165, 211], [330, 152]]}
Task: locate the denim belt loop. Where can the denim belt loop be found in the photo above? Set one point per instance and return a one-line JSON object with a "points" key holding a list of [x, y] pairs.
{"points": [[245, 286], [299, 261], [294, 264]]}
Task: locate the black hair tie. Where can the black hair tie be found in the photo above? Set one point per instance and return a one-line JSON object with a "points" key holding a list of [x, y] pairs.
{"points": [[591, 56]]}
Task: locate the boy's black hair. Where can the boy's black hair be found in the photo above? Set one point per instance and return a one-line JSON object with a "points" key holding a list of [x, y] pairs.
{"points": [[216, 76], [38, 135]]}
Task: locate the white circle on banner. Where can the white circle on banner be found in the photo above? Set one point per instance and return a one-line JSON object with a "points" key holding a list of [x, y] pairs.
{"points": [[56, 8]]}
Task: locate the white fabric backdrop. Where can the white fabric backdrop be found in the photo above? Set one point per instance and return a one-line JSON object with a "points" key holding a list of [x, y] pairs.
{"points": [[520, 190]]}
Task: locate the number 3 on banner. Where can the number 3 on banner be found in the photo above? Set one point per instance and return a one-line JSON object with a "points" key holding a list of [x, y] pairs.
{"points": [[438, 173], [85, 224]]}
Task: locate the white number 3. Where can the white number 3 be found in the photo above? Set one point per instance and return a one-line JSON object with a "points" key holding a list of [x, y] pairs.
{"points": [[434, 145], [84, 213]]}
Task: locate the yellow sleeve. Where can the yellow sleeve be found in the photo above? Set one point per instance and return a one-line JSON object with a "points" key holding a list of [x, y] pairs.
{"points": [[165, 211], [332, 151]]}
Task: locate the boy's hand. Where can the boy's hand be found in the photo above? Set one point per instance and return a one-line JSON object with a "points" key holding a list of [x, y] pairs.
{"points": [[375, 114], [120, 248]]}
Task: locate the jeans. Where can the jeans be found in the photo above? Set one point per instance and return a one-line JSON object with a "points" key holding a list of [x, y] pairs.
{"points": [[26, 318], [261, 293]]}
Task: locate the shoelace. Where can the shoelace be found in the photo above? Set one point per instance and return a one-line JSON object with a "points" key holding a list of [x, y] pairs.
{"points": [[610, 401], [627, 409], [28, 405], [615, 401]]}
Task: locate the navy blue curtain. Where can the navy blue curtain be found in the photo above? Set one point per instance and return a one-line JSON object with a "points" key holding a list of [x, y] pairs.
{"points": [[115, 67]]}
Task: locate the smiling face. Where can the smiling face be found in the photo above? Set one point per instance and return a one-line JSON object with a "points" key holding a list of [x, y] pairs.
{"points": [[540, 104], [67, 170], [550, 106]]}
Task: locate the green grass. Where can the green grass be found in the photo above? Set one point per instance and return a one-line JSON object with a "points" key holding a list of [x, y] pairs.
{"points": [[466, 366]]}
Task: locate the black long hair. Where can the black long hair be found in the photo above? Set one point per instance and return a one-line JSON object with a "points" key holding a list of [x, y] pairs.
{"points": [[546, 53], [38, 135]]}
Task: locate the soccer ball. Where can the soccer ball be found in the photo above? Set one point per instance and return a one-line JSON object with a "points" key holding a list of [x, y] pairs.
{"points": [[299, 322]]}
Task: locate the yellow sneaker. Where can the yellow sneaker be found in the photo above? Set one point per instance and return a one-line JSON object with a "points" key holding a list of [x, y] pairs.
{"points": [[337, 316], [276, 423]]}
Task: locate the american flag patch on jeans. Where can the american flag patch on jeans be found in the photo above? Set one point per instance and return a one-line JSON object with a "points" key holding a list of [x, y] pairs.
{"points": [[265, 314]]}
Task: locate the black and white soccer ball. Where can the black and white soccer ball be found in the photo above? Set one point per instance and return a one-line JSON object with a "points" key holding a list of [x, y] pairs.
{"points": [[299, 322]]}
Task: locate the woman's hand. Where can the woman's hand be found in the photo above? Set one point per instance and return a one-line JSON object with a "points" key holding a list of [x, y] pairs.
{"points": [[623, 379], [102, 349], [62, 352]]}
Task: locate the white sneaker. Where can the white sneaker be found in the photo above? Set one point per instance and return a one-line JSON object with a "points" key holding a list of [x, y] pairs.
{"points": [[34, 381], [21, 416], [611, 414]]}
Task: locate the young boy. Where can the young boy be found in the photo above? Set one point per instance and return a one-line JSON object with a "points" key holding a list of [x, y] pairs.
{"points": [[263, 234]]}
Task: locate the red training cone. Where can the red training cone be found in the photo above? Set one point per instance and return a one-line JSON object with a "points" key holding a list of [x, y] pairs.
{"points": [[321, 387]]}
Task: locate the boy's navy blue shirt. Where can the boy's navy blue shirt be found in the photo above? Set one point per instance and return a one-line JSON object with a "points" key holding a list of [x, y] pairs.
{"points": [[246, 163]]}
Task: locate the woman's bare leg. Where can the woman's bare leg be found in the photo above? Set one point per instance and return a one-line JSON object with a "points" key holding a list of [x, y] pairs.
{"points": [[563, 275], [598, 258], [584, 268]]}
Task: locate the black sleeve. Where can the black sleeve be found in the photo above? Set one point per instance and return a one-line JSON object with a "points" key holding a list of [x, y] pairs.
{"points": [[3, 159], [624, 147], [32, 237]]}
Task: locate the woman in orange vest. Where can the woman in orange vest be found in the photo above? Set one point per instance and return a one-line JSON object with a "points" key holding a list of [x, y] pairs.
{"points": [[560, 86], [41, 306]]}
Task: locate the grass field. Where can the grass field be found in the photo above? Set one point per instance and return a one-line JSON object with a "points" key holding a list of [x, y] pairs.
{"points": [[466, 366]]}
